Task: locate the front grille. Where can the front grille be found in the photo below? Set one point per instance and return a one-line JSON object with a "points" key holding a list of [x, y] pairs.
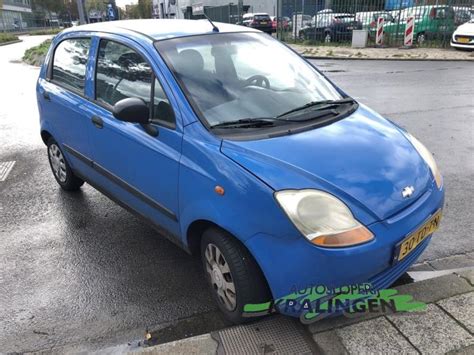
{"points": [[458, 37]]}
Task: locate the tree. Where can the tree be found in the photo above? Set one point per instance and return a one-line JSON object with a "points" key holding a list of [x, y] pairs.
{"points": [[95, 5], [144, 8]]}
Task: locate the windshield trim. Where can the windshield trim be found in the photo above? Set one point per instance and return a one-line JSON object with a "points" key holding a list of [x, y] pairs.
{"points": [[264, 134]]}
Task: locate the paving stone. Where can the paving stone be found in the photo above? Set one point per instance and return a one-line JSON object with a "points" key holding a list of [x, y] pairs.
{"points": [[375, 336], [453, 262], [329, 343], [421, 267], [433, 331], [468, 275], [464, 351], [339, 321], [436, 289], [462, 308]]}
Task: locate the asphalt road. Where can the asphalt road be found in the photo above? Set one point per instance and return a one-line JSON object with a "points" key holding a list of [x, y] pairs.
{"points": [[76, 268]]}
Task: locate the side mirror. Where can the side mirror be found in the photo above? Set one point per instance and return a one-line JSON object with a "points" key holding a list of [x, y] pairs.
{"points": [[133, 110]]}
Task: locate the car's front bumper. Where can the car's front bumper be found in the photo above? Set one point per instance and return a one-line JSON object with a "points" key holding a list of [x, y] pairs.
{"points": [[462, 45], [296, 264]]}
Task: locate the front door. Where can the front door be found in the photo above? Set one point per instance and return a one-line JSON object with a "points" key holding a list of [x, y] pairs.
{"points": [[137, 166]]}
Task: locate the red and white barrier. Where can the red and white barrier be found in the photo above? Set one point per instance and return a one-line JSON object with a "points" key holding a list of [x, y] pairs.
{"points": [[409, 31], [379, 34]]}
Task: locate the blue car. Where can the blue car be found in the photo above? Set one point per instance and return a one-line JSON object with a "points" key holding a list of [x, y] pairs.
{"points": [[238, 150]]}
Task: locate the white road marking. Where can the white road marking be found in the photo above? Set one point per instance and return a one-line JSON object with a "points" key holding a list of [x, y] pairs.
{"points": [[5, 168]]}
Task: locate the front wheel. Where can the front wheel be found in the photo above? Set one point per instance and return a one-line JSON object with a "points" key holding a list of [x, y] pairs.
{"points": [[234, 276], [61, 170]]}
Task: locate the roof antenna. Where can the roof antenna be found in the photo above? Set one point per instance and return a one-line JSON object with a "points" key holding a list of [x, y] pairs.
{"points": [[214, 27]]}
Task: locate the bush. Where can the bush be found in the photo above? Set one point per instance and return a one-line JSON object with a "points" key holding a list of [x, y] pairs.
{"points": [[35, 55], [49, 31], [7, 37]]}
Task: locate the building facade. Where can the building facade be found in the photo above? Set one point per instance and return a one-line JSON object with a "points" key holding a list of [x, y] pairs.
{"points": [[183, 8], [16, 15]]}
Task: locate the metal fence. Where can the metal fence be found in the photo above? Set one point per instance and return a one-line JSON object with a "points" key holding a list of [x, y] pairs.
{"points": [[432, 22]]}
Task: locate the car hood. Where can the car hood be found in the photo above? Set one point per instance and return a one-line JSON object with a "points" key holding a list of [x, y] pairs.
{"points": [[466, 29], [364, 159]]}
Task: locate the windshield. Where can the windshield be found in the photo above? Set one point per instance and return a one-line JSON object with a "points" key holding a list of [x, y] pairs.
{"points": [[234, 76]]}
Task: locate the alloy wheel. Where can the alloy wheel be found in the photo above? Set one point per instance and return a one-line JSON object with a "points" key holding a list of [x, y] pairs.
{"points": [[58, 163], [220, 276]]}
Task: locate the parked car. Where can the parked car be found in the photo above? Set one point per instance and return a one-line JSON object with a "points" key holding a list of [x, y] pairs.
{"points": [[369, 19], [332, 28], [431, 22], [282, 22], [305, 21], [238, 150], [462, 14], [260, 21], [463, 37]]}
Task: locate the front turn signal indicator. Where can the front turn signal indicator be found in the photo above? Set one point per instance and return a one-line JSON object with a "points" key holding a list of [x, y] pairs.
{"points": [[348, 238]]}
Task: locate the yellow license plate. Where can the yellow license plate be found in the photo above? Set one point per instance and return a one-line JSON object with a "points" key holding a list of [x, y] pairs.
{"points": [[410, 243], [463, 40]]}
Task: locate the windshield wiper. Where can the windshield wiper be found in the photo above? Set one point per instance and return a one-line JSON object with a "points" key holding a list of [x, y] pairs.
{"points": [[247, 123], [319, 105]]}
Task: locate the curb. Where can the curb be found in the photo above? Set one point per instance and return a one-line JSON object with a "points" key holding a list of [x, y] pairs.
{"points": [[390, 59], [11, 42], [320, 336]]}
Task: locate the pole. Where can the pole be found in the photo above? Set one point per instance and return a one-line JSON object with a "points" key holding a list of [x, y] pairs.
{"points": [[81, 10], [3, 23], [279, 23], [240, 9]]}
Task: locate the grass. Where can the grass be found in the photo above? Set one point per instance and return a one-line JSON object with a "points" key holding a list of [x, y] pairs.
{"points": [[35, 55], [7, 37]]}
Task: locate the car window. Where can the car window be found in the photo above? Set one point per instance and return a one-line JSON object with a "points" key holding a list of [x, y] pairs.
{"points": [[121, 73], [220, 75], [70, 61], [161, 106]]}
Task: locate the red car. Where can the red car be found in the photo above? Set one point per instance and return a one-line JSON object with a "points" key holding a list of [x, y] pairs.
{"points": [[283, 22]]}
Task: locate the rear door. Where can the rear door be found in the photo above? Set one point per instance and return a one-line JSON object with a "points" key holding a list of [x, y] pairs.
{"points": [[63, 100], [140, 167]]}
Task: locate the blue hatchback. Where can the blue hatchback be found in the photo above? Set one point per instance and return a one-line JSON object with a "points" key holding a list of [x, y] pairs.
{"points": [[239, 150]]}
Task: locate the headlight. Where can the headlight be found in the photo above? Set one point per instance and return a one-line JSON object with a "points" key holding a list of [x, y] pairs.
{"points": [[322, 218], [428, 158]]}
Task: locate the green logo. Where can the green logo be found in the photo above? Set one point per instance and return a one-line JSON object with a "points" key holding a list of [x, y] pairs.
{"points": [[319, 302]]}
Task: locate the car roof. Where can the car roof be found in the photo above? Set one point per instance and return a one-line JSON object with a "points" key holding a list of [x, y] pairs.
{"points": [[159, 29]]}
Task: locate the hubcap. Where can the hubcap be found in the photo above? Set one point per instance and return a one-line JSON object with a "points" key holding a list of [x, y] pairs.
{"points": [[221, 278], [58, 163]]}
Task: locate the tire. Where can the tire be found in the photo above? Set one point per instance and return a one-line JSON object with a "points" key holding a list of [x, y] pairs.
{"points": [[243, 272], [61, 170], [420, 38]]}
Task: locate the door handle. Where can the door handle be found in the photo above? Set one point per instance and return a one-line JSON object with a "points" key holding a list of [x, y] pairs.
{"points": [[46, 96], [97, 121]]}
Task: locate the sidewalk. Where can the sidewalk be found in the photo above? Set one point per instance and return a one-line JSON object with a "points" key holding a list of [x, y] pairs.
{"points": [[447, 326], [335, 52]]}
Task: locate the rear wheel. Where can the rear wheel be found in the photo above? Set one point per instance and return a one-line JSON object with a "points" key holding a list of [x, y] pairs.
{"points": [[420, 38], [234, 276], [61, 170]]}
